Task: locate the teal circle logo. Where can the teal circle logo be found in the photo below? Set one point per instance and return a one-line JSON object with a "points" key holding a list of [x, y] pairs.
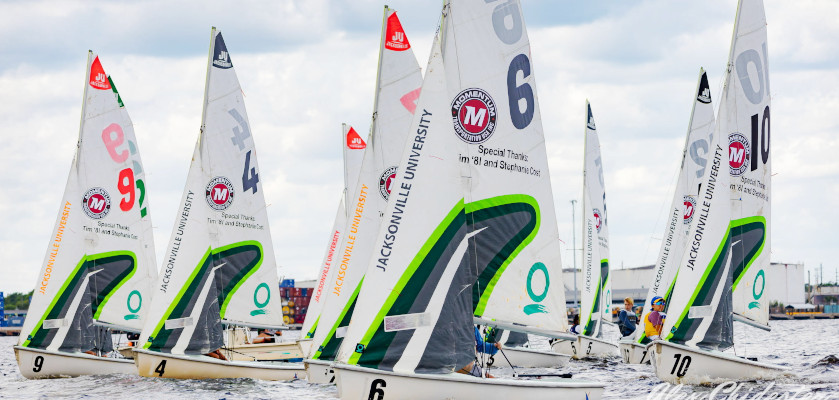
{"points": [[537, 267], [256, 301], [139, 301], [762, 277]]}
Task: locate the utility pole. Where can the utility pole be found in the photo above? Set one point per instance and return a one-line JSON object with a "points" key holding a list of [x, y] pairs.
{"points": [[574, 249]]}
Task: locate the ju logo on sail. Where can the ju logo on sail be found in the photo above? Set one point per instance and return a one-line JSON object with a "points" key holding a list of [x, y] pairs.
{"points": [[739, 153], [221, 59], [96, 203], [537, 298], [598, 219], [219, 193], [395, 35], [474, 115], [385, 180], [690, 207], [98, 77], [354, 140]]}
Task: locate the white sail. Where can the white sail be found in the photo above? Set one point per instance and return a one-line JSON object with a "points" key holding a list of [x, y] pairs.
{"points": [[397, 89], [100, 263], [219, 264], [597, 287], [685, 197], [473, 230], [353, 146], [730, 236], [745, 123]]}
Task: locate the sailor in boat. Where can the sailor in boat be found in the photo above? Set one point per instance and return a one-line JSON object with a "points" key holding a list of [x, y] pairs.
{"points": [[627, 318], [481, 347], [266, 336], [102, 344], [654, 321], [217, 354], [575, 328]]}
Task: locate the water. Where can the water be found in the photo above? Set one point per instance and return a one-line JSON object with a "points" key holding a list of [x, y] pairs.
{"points": [[799, 345]]}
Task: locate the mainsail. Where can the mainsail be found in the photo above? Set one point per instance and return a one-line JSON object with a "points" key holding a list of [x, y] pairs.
{"points": [[729, 238], [353, 146], [100, 263], [686, 197], [219, 264], [597, 287], [471, 231], [397, 89]]}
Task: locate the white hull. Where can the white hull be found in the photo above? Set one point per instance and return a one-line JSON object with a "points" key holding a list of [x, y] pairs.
{"points": [[152, 364], [585, 347], [360, 383], [675, 363], [633, 352], [530, 358], [55, 364], [318, 371], [264, 351], [305, 346]]}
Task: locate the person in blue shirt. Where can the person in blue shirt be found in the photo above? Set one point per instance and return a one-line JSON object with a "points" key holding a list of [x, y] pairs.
{"points": [[481, 346], [575, 327], [627, 318]]}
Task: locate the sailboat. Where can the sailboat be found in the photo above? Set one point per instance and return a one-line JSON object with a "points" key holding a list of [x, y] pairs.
{"points": [[472, 198], [398, 83], [354, 147], [100, 265], [597, 286], [682, 210], [721, 277], [219, 266]]}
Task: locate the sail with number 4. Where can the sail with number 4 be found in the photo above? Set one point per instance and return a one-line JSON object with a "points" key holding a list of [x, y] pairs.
{"points": [[219, 265], [397, 89], [597, 287], [722, 271], [100, 264], [471, 230], [353, 146], [685, 198]]}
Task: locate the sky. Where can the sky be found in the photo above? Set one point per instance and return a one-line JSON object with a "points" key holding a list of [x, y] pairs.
{"points": [[306, 66]]}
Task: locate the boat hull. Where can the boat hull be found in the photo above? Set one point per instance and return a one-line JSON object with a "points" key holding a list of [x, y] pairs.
{"points": [[37, 364], [585, 347], [679, 364], [633, 352], [264, 352], [153, 364], [531, 358], [366, 383], [318, 371]]}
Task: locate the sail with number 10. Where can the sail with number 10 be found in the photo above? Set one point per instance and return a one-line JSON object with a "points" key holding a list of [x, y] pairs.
{"points": [[100, 264]]}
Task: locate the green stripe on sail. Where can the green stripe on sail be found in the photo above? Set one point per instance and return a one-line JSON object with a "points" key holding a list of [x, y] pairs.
{"points": [[38, 335], [328, 349], [483, 210], [311, 333], [227, 292], [703, 289], [740, 227], [375, 341]]}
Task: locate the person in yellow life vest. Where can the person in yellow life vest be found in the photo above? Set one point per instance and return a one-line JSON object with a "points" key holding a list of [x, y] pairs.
{"points": [[654, 321]]}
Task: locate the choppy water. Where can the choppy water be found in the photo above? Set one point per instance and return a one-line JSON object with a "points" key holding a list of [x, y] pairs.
{"points": [[799, 345]]}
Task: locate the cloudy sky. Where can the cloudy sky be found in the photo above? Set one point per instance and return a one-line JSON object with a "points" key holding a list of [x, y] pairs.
{"points": [[306, 66]]}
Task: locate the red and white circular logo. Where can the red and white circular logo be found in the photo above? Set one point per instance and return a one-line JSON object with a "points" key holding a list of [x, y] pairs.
{"points": [[385, 180], [96, 203], [474, 115], [739, 153], [219, 193], [690, 207], [598, 220]]}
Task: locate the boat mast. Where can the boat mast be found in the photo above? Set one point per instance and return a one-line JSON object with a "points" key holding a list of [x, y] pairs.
{"points": [[207, 83]]}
